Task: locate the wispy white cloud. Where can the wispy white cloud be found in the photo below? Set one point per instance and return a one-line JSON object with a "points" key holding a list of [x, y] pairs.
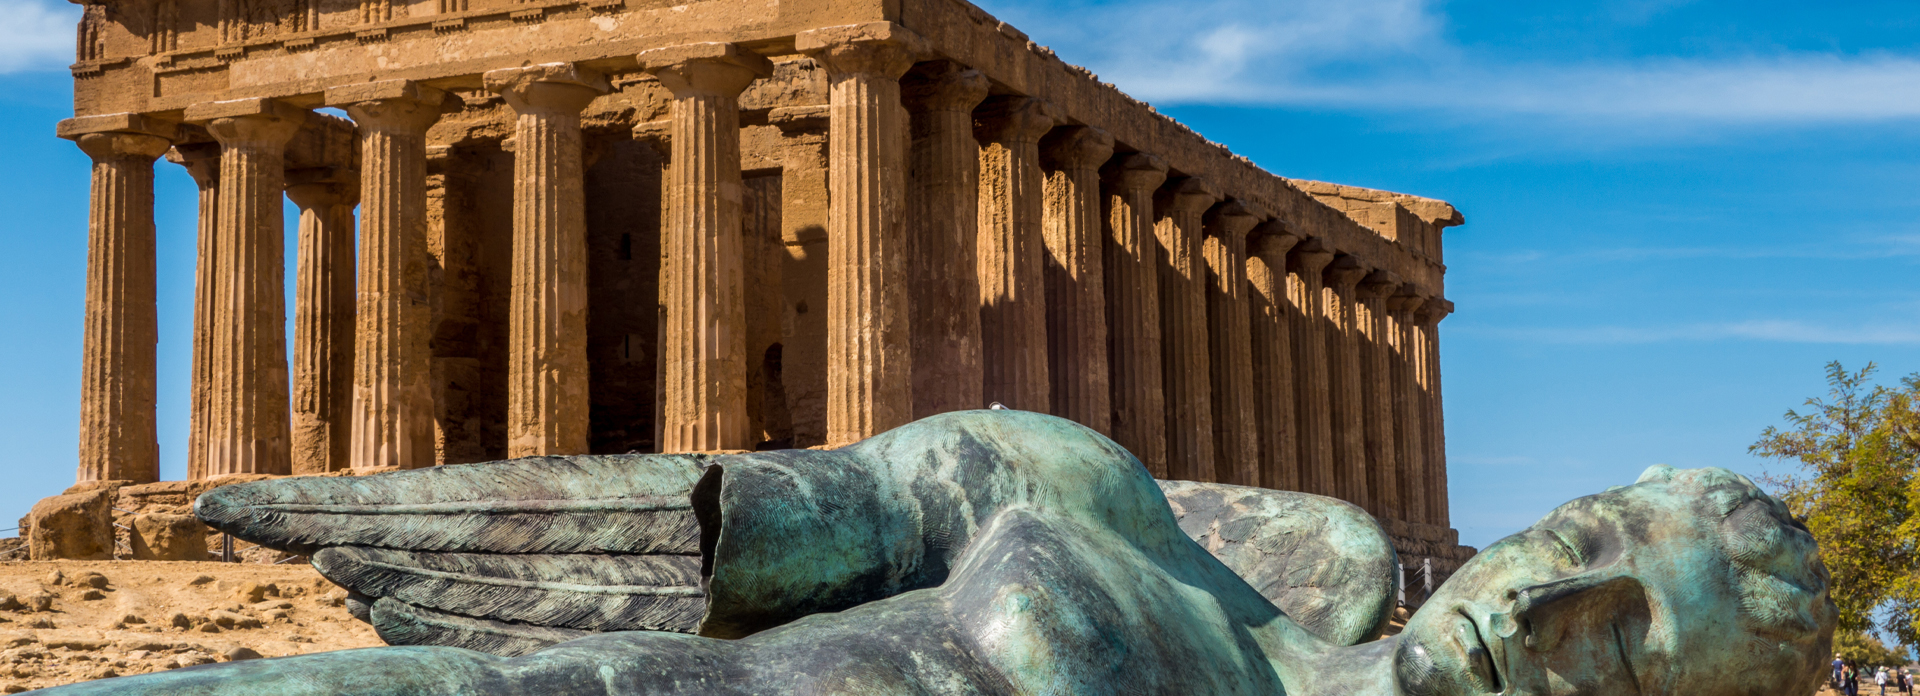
{"points": [[36, 35], [1856, 249], [1892, 332], [1396, 55]]}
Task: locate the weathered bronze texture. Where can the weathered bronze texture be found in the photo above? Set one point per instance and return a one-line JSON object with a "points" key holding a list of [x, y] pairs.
{"points": [[1005, 552]]}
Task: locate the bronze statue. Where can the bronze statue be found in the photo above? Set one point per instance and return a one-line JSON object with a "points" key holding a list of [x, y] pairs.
{"points": [[1004, 552]]}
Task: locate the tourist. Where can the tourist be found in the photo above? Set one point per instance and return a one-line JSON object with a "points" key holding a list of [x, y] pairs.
{"points": [[1880, 677]]}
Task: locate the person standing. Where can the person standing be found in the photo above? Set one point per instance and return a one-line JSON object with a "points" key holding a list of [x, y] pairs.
{"points": [[1880, 677]]}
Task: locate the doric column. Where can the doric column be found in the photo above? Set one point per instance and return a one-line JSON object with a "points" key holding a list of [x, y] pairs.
{"points": [[1185, 364], [1236, 442], [943, 226], [392, 403], [323, 319], [1270, 331], [547, 333], [202, 161], [1372, 327], [1435, 435], [1312, 405], [1133, 308], [249, 429], [1339, 315], [1409, 452], [1076, 302], [1013, 312], [705, 351], [117, 393], [869, 348]]}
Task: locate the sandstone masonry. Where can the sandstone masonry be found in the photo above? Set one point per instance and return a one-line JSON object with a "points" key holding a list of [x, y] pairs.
{"points": [[658, 226]]}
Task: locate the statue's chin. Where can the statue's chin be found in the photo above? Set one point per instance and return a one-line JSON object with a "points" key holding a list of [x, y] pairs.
{"points": [[1414, 669]]}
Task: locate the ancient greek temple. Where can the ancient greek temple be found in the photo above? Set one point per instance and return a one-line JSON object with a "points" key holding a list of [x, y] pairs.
{"points": [[603, 226]]}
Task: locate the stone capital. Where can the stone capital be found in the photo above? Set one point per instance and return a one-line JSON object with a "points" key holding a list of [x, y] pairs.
{"points": [[1345, 272], [315, 195], [1434, 310], [1232, 218], [943, 85], [881, 49], [712, 68], [562, 88], [202, 161], [73, 128], [1309, 258], [1076, 148], [1408, 300], [121, 146], [1273, 238], [318, 186], [259, 108], [383, 90], [1013, 119], [1378, 285], [264, 131], [1187, 195], [1135, 172], [399, 105]]}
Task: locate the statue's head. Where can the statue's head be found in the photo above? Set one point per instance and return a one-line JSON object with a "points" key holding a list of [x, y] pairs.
{"points": [[1689, 581]]}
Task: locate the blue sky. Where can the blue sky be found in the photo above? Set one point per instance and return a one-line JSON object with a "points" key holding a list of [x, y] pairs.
{"points": [[1677, 211]]}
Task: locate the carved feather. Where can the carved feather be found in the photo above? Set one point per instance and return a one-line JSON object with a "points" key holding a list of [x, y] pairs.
{"points": [[400, 623], [583, 591], [619, 504]]}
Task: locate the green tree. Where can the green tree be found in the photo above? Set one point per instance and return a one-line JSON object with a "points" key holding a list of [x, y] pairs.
{"points": [[1856, 490], [1867, 651]]}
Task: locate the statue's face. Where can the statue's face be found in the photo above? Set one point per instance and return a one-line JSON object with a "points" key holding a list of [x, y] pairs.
{"points": [[1626, 592]]}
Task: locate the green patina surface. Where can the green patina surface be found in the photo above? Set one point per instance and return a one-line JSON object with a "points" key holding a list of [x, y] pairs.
{"points": [[1002, 552]]}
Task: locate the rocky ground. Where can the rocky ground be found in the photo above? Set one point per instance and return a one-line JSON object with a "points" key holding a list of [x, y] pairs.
{"points": [[69, 621]]}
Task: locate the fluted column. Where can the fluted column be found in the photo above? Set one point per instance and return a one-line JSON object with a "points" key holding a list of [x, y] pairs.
{"points": [[1435, 435], [1312, 406], [943, 197], [249, 429], [392, 408], [1076, 302], [547, 333], [1372, 327], [869, 342], [1270, 331], [705, 352], [1133, 308], [202, 162], [1184, 359], [1409, 452], [117, 430], [1013, 312], [323, 319], [1236, 441], [1340, 317]]}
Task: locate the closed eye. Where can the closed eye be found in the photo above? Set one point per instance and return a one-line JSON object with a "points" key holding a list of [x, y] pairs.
{"points": [[1567, 547]]}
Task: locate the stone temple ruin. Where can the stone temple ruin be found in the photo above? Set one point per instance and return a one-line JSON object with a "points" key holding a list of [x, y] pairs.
{"points": [[635, 225]]}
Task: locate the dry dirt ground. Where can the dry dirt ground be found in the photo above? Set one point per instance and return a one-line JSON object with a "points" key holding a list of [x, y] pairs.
{"points": [[68, 621]]}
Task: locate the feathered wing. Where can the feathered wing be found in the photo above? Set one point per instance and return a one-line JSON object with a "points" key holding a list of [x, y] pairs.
{"points": [[504, 557], [1322, 561]]}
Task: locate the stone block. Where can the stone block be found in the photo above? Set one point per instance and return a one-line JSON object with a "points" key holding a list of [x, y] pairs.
{"points": [[76, 526], [164, 537]]}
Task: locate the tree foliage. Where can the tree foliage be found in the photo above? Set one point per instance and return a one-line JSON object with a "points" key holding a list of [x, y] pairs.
{"points": [[1867, 651], [1856, 489]]}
